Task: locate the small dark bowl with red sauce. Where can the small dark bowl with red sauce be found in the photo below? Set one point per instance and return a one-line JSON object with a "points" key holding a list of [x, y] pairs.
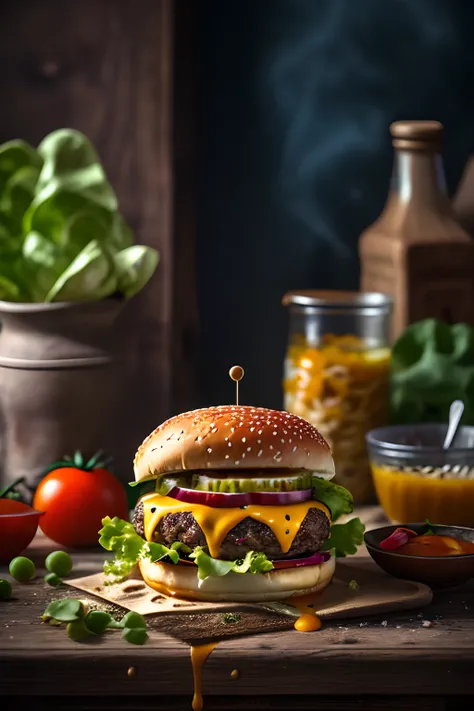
{"points": [[436, 571]]}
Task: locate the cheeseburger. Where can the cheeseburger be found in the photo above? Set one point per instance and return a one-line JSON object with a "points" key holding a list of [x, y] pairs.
{"points": [[241, 508]]}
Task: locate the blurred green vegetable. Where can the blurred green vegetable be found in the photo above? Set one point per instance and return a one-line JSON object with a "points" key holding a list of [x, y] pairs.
{"points": [[432, 365], [62, 237]]}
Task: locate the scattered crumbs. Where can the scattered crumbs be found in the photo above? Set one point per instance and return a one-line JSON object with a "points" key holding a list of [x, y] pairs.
{"points": [[354, 585], [131, 671], [363, 624], [384, 623], [229, 618], [234, 674], [427, 623]]}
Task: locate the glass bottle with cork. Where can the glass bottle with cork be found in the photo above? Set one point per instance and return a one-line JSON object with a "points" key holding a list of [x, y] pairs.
{"points": [[416, 251]]}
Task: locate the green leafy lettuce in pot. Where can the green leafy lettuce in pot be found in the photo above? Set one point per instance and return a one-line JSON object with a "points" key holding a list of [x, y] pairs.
{"points": [[432, 365], [62, 237]]}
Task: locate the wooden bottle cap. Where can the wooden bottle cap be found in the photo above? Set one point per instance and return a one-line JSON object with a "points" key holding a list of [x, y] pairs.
{"points": [[417, 135]]}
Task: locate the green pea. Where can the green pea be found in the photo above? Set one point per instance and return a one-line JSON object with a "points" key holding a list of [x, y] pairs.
{"points": [[53, 580], [59, 563], [22, 569], [5, 589]]}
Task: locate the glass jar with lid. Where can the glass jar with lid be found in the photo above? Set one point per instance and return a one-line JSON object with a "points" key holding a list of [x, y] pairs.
{"points": [[337, 372]]}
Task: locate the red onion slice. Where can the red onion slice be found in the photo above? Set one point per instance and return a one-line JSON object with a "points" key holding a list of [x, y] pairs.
{"points": [[315, 559], [229, 501], [397, 539]]}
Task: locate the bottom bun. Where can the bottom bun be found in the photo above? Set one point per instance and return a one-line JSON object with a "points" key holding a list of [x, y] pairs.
{"points": [[181, 581]]}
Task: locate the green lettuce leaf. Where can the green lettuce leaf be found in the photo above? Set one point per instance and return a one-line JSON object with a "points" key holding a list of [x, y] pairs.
{"points": [[70, 163], [338, 499], [14, 157], [62, 236], [91, 275], [207, 566], [135, 266], [345, 538], [120, 537]]}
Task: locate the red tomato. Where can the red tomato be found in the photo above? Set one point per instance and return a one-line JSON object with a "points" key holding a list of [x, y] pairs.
{"points": [[75, 501]]}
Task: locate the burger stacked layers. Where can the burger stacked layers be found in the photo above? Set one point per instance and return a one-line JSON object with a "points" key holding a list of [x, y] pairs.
{"points": [[242, 508]]}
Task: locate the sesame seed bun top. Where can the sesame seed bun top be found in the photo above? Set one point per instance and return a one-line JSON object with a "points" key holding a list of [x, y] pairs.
{"points": [[233, 437]]}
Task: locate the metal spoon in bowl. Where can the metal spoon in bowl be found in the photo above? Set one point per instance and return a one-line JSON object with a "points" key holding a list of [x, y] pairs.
{"points": [[455, 414]]}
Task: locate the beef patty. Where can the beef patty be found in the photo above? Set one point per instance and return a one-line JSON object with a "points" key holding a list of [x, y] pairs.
{"points": [[248, 535]]}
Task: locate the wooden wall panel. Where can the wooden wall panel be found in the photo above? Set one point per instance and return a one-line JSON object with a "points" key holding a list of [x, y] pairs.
{"points": [[120, 72]]}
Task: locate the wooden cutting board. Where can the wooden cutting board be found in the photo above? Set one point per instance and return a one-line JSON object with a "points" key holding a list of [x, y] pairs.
{"points": [[377, 593]]}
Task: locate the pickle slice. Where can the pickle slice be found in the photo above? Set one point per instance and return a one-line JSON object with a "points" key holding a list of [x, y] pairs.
{"points": [[231, 485]]}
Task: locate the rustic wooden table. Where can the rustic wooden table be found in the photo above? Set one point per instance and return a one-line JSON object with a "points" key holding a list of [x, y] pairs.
{"points": [[398, 661]]}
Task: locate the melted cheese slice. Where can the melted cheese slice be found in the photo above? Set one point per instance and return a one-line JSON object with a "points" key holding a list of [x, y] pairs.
{"points": [[215, 523]]}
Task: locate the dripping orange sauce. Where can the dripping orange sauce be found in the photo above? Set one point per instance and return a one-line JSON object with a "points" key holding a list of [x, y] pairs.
{"points": [[308, 620], [199, 654]]}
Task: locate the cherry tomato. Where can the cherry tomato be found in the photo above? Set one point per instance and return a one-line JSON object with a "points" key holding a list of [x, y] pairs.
{"points": [[75, 500]]}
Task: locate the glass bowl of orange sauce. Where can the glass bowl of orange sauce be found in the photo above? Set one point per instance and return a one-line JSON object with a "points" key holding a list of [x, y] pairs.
{"points": [[416, 479]]}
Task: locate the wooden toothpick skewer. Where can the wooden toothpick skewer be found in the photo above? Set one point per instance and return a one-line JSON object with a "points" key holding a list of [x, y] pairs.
{"points": [[236, 373]]}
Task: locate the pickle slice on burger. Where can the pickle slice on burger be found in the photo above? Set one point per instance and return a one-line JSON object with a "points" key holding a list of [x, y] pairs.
{"points": [[243, 508]]}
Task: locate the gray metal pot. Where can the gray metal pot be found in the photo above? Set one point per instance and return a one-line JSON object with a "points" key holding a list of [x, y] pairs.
{"points": [[60, 383]]}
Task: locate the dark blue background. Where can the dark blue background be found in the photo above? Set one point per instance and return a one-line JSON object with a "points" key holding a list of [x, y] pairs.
{"points": [[296, 97]]}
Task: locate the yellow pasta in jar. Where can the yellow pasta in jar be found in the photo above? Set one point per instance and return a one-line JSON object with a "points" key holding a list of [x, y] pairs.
{"points": [[341, 386]]}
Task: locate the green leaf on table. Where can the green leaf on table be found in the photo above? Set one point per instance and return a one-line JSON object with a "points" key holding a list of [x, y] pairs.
{"points": [[97, 621], [133, 620], [66, 610], [78, 630], [90, 276], [135, 267], [345, 538], [134, 628], [135, 635]]}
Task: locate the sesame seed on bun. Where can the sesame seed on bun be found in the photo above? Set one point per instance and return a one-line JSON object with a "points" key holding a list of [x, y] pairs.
{"points": [[233, 437]]}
